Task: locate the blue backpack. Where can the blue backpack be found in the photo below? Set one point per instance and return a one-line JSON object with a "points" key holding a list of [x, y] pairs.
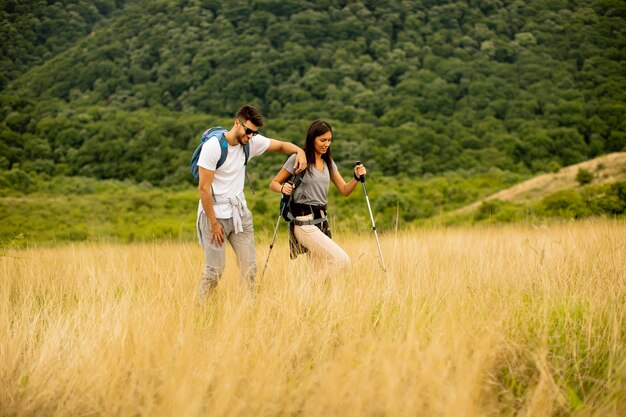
{"points": [[215, 132]]}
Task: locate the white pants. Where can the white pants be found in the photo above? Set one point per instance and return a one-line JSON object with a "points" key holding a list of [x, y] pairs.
{"points": [[321, 248]]}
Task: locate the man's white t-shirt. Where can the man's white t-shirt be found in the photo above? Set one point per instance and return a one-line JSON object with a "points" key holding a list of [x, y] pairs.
{"points": [[229, 179]]}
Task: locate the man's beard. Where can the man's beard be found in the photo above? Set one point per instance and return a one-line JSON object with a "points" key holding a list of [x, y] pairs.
{"points": [[240, 140]]}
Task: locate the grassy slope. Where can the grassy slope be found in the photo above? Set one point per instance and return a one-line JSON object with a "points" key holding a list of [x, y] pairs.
{"points": [[606, 169]]}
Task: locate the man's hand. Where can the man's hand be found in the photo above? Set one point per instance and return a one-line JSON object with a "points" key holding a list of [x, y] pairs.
{"points": [[300, 163], [217, 234], [288, 149]]}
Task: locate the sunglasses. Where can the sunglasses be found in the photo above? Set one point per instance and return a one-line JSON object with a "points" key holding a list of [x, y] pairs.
{"points": [[248, 130]]}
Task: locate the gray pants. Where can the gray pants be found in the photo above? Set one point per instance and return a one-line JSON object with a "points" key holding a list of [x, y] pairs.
{"points": [[215, 256]]}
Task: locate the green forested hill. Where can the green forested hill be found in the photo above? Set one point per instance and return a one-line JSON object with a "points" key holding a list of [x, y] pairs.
{"points": [[122, 89], [34, 31]]}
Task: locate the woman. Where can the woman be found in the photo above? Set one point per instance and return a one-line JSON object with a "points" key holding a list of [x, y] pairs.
{"points": [[310, 197]]}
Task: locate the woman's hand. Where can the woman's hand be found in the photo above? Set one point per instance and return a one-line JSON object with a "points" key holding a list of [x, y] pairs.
{"points": [[286, 188], [282, 178], [359, 171]]}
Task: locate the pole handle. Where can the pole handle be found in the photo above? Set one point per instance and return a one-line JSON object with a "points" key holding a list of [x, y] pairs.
{"points": [[362, 178]]}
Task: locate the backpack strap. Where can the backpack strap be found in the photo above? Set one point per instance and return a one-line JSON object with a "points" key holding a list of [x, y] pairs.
{"points": [[285, 201], [246, 152], [298, 179], [223, 150], [309, 222]]}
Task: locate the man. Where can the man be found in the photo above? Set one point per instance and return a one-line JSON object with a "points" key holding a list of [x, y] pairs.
{"points": [[222, 211]]}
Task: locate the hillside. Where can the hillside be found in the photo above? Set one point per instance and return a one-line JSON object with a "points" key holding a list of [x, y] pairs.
{"points": [[33, 32], [415, 88], [607, 169]]}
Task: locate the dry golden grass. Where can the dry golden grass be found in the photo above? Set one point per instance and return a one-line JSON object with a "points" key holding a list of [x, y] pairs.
{"points": [[512, 321]]}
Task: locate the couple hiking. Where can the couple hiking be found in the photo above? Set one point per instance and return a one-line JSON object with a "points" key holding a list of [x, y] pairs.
{"points": [[223, 213]]}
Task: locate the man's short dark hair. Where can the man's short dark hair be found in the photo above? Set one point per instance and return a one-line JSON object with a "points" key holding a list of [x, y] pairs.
{"points": [[248, 112]]}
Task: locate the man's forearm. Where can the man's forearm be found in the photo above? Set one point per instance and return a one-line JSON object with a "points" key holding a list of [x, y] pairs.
{"points": [[207, 206], [289, 148]]}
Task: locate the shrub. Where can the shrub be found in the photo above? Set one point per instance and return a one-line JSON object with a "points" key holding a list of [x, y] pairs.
{"points": [[508, 213], [564, 203], [554, 167], [487, 209], [609, 199], [497, 211], [17, 180], [40, 166], [584, 176]]}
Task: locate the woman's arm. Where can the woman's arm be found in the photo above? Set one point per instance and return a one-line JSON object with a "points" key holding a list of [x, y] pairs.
{"points": [[278, 184], [346, 188]]}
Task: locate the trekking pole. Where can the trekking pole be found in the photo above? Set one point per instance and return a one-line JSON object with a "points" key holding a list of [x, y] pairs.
{"points": [[272, 243], [369, 207], [280, 214]]}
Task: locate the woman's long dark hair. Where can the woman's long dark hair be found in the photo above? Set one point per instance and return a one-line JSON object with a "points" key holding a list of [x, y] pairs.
{"points": [[317, 128]]}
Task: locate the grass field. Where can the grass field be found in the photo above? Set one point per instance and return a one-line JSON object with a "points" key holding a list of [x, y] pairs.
{"points": [[491, 321]]}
